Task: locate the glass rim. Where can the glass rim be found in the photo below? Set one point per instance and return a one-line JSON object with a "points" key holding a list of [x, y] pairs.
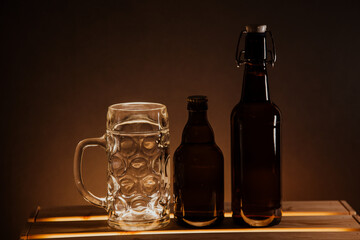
{"points": [[136, 106]]}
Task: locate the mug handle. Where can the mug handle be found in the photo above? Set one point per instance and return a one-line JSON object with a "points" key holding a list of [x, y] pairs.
{"points": [[82, 145]]}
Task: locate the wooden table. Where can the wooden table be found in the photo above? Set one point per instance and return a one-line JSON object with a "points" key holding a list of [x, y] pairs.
{"points": [[301, 220]]}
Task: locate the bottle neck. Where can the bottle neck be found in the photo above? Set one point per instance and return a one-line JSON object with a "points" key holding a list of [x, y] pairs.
{"points": [[255, 83], [197, 128], [197, 117]]}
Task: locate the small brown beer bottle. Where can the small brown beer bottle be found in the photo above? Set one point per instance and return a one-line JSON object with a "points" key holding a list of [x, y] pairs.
{"points": [[198, 171]]}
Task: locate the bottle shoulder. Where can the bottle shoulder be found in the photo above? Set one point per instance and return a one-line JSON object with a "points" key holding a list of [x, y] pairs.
{"points": [[198, 133], [198, 150]]}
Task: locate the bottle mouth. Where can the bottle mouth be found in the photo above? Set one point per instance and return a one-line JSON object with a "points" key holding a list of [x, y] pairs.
{"points": [[197, 98], [256, 28], [197, 102]]}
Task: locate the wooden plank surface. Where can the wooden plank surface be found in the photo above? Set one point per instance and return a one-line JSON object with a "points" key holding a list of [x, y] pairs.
{"points": [[348, 207], [290, 208], [310, 220]]}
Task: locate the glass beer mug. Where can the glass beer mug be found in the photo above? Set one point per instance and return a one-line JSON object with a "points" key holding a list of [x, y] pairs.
{"points": [[138, 179]]}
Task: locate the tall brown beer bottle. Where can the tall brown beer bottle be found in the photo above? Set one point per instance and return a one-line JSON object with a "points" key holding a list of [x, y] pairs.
{"points": [[198, 171], [255, 138]]}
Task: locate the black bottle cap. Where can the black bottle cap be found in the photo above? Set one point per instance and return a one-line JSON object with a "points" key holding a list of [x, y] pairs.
{"points": [[197, 103]]}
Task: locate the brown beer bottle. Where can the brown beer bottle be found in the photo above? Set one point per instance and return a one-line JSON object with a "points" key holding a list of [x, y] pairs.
{"points": [[255, 138], [198, 171]]}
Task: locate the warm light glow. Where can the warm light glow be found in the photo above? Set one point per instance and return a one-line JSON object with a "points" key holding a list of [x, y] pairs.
{"points": [[70, 219], [162, 232], [226, 214], [75, 218], [306, 214]]}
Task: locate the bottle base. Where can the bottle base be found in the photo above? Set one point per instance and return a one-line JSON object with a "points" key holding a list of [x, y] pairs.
{"points": [[256, 219], [139, 225], [196, 222]]}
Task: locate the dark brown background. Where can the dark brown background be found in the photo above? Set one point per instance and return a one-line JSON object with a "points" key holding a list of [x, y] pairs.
{"points": [[64, 62]]}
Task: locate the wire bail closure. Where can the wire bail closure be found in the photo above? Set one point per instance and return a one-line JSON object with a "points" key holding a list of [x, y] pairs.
{"points": [[240, 54]]}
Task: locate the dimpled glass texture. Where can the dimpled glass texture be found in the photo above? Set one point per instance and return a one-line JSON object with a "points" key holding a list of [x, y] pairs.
{"points": [[138, 184]]}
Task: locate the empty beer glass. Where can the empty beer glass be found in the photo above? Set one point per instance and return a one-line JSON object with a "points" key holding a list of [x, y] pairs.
{"points": [[138, 181]]}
